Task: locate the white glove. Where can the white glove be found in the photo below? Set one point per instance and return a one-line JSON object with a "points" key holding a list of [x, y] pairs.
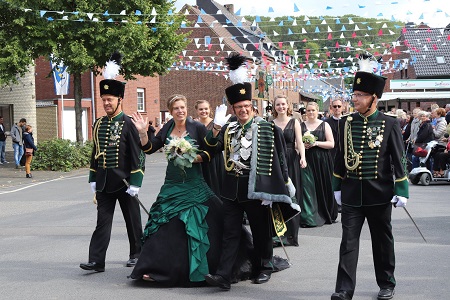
{"points": [[337, 196], [221, 117], [266, 202], [291, 188], [399, 201], [94, 187], [132, 190]]}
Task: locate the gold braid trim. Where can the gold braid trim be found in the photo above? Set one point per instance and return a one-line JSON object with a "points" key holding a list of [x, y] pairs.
{"points": [[351, 161], [97, 143], [227, 148]]}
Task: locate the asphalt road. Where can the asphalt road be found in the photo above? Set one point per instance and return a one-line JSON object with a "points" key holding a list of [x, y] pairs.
{"points": [[46, 225]]}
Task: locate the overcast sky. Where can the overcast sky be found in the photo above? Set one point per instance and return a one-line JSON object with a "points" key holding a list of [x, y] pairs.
{"points": [[433, 11]]}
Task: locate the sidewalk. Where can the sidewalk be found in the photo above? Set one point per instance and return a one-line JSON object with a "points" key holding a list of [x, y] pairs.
{"points": [[10, 176]]}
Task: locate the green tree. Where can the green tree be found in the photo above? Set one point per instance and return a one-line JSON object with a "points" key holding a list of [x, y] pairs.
{"points": [[83, 34]]}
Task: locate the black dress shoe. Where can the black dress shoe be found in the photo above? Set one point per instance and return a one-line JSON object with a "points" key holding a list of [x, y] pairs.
{"points": [[217, 280], [93, 266], [341, 295], [262, 278], [385, 294], [132, 262]]}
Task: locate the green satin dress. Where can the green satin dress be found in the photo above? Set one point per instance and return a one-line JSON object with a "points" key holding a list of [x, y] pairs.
{"points": [[318, 205], [178, 225]]}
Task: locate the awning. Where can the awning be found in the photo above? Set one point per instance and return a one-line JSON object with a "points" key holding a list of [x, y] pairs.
{"points": [[414, 96]]}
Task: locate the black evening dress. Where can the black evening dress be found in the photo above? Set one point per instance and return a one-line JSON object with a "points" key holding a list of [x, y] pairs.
{"points": [[293, 162]]}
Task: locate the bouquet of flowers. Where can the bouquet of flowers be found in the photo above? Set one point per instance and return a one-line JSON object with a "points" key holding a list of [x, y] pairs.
{"points": [[308, 138], [181, 151]]}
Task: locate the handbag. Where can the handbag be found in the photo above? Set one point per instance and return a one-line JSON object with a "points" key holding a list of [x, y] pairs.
{"points": [[419, 150], [28, 151]]}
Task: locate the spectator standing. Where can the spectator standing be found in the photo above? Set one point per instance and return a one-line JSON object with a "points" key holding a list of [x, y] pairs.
{"points": [[151, 130], [2, 142], [17, 141], [28, 143], [447, 113]]}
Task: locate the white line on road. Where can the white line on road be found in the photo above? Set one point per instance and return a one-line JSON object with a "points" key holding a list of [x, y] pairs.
{"points": [[39, 183]]}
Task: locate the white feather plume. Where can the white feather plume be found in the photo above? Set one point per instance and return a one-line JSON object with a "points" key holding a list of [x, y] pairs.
{"points": [[239, 75], [111, 70], [367, 64], [112, 66]]}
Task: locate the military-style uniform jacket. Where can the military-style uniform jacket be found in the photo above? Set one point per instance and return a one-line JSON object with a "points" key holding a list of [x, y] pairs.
{"points": [[265, 174], [196, 130], [116, 154], [372, 155]]}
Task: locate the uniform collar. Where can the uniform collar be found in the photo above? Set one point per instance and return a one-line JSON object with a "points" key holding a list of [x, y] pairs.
{"points": [[116, 117], [247, 125], [370, 117]]}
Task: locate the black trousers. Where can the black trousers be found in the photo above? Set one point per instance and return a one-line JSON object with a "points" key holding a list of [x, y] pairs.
{"points": [[106, 203], [379, 220], [259, 218]]}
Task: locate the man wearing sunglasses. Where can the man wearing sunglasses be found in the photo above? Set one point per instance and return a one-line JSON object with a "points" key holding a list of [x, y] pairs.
{"points": [[336, 109], [369, 176]]}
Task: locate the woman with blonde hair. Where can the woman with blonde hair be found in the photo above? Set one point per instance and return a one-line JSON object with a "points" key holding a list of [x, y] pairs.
{"points": [[212, 171], [294, 146], [183, 234], [323, 208], [30, 147]]}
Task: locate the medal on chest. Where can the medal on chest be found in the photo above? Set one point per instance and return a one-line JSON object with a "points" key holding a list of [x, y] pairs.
{"points": [[375, 136]]}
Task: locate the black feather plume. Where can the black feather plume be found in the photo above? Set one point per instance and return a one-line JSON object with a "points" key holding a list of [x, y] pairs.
{"points": [[117, 57], [234, 61]]}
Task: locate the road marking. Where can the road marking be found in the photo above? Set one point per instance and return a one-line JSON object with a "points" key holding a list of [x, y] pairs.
{"points": [[39, 183]]}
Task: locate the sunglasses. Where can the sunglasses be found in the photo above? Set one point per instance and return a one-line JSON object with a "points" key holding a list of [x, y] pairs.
{"points": [[337, 106]]}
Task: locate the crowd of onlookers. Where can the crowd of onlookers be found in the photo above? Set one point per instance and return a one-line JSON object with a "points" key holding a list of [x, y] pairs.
{"points": [[421, 127], [22, 142]]}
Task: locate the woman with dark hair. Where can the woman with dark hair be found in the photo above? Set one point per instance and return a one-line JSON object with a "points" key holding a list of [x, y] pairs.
{"points": [[424, 134], [30, 147]]}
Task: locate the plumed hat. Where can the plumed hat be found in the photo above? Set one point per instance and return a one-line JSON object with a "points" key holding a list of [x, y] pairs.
{"points": [[109, 85], [365, 79], [240, 90]]}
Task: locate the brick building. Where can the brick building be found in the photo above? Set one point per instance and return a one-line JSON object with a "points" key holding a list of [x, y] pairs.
{"points": [[420, 69]]}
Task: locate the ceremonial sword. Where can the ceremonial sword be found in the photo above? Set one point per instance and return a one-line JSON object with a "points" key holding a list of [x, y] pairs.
{"points": [[417, 227], [136, 197], [412, 220]]}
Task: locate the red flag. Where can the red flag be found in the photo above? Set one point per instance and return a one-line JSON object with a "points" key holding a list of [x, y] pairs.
{"points": [[380, 33], [329, 36]]}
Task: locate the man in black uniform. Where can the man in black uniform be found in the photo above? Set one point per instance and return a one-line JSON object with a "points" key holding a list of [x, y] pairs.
{"points": [[256, 177], [372, 155], [334, 120], [116, 155]]}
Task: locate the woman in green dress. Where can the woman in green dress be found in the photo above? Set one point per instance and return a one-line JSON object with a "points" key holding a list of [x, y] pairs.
{"points": [[318, 205], [183, 235]]}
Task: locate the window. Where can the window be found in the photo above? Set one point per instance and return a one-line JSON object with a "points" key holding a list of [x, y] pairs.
{"points": [[440, 59], [207, 40], [140, 100]]}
